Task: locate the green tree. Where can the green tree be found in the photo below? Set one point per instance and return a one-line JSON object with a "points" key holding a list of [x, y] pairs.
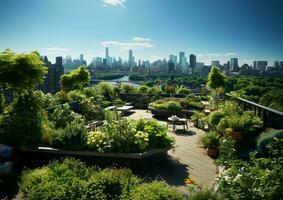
{"points": [[216, 78], [21, 124], [76, 79], [21, 71]]}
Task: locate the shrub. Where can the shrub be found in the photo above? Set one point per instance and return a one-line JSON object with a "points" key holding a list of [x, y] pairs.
{"points": [[128, 88], [266, 138], [211, 140], [129, 136], [258, 178], [143, 89], [206, 195], [72, 179], [183, 90], [21, 125], [214, 118], [62, 115], [155, 191], [166, 105], [72, 137], [106, 90]]}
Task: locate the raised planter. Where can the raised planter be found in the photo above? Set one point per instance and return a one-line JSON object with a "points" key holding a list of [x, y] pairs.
{"points": [[212, 152], [42, 155], [167, 113]]}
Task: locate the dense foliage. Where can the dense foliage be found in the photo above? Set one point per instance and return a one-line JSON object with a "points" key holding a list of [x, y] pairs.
{"points": [[21, 71], [75, 79], [259, 178], [72, 179], [129, 136]]}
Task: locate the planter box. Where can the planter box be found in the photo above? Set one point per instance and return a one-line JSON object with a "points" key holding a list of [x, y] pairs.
{"points": [[43, 155], [166, 113]]}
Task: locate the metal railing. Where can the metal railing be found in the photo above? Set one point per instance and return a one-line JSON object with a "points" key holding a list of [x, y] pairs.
{"points": [[271, 118]]}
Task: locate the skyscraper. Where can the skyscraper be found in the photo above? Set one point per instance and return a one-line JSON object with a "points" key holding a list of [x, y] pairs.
{"points": [[215, 63], [260, 65], [193, 63], [182, 62], [107, 57], [55, 71], [131, 59], [234, 65], [82, 58]]}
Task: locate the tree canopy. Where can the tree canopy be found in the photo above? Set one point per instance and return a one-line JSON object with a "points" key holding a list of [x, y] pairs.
{"points": [[76, 79], [21, 71], [216, 78]]}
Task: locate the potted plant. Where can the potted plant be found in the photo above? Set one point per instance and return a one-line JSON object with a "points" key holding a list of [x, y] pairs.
{"points": [[211, 142], [196, 118]]}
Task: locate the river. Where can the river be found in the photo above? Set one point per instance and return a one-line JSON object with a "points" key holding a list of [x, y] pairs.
{"points": [[124, 81]]}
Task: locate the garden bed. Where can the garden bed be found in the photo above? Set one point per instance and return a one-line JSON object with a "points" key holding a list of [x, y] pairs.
{"points": [[167, 113], [33, 157]]}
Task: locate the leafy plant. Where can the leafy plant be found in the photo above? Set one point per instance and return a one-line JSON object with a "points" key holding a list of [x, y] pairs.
{"points": [[211, 140], [214, 118], [72, 137], [266, 138], [206, 195]]}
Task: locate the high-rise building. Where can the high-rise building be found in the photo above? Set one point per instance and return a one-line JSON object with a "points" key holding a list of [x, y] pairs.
{"points": [[234, 65], [276, 66], [55, 71], [171, 67], [215, 63], [82, 58], [131, 60], [193, 63], [107, 57], [182, 62], [260, 65], [173, 59]]}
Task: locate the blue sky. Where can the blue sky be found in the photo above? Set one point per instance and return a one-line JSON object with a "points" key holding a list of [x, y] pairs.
{"points": [[211, 29]]}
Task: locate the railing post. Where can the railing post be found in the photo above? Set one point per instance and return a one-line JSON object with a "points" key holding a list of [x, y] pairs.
{"points": [[264, 118]]}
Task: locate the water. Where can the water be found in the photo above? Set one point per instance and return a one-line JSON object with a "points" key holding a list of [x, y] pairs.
{"points": [[124, 81]]}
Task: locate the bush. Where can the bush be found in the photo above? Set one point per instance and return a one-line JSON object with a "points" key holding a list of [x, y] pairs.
{"points": [[183, 90], [266, 138], [206, 195], [128, 89], [21, 125], [106, 90], [72, 137], [214, 118], [211, 140], [155, 191], [166, 105], [129, 136], [143, 89], [62, 115], [72, 179], [256, 179]]}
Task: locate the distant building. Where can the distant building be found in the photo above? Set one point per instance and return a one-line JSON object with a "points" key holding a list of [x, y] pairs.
{"points": [[182, 62], [55, 71], [171, 67], [193, 63], [215, 63], [234, 65], [260, 65], [107, 58], [131, 60]]}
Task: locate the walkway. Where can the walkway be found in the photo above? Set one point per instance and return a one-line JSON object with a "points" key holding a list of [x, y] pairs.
{"points": [[188, 160]]}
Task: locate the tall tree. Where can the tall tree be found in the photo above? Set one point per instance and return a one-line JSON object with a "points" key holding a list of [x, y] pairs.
{"points": [[21, 71], [76, 79], [216, 79]]}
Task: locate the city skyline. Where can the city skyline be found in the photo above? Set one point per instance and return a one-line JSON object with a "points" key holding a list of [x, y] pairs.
{"points": [[217, 30]]}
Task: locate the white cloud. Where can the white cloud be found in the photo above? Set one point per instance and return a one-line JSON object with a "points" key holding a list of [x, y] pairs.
{"points": [[114, 3], [127, 45], [140, 39], [54, 50]]}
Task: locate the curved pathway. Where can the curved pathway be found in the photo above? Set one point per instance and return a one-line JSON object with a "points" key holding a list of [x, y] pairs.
{"points": [[188, 160]]}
